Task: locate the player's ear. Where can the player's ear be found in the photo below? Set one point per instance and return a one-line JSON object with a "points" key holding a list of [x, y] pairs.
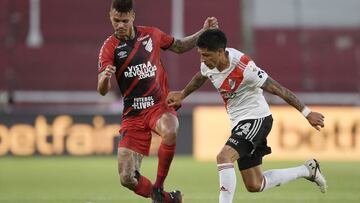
{"points": [[111, 12], [220, 51], [133, 15]]}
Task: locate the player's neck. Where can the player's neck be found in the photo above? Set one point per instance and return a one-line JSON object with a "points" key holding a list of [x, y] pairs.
{"points": [[224, 63], [130, 36]]}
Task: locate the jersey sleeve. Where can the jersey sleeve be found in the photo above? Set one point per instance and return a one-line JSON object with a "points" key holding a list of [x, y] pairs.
{"points": [[165, 40], [254, 76], [106, 55]]}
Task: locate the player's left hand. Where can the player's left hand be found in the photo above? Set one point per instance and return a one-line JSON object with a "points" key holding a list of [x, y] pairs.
{"points": [[316, 120], [174, 99], [211, 23]]}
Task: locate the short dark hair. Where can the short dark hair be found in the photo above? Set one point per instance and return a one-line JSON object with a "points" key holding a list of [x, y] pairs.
{"points": [[122, 6], [212, 39]]}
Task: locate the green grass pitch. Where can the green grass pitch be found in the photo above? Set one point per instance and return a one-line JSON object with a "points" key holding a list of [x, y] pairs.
{"points": [[95, 180]]}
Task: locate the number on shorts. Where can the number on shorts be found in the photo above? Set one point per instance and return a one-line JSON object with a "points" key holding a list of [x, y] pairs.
{"points": [[244, 129]]}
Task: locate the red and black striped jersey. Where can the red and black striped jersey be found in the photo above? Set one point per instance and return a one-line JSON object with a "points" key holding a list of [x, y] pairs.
{"points": [[140, 74]]}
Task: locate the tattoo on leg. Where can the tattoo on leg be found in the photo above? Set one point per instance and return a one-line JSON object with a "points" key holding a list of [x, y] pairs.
{"points": [[137, 160], [128, 163]]}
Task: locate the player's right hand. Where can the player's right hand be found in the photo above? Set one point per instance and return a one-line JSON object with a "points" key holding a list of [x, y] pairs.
{"points": [[109, 71], [174, 99], [211, 23]]}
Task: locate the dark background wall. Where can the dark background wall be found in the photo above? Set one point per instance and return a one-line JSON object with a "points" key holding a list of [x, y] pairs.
{"points": [[74, 31]]}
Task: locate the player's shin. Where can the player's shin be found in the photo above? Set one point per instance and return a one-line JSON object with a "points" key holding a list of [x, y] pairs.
{"points": [[227, 182], [165, 156]]}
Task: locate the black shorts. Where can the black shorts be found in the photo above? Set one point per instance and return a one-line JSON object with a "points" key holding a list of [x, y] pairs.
{"points": [[248, 138]]}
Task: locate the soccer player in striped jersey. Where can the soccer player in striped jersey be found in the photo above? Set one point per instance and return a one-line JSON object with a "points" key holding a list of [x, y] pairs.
{"points": [[241, 83], [132, 56]]}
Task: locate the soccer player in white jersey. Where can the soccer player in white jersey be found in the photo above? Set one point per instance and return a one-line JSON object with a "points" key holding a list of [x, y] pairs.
{"points": [[241, 83]]}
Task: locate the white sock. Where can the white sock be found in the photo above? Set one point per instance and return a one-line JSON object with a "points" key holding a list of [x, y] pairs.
{"points": [[227, 182], [277, 177]]}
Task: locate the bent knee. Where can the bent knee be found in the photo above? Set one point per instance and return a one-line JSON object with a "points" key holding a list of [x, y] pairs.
{"points": [[253, 187], [222, 158], [169, 135]]}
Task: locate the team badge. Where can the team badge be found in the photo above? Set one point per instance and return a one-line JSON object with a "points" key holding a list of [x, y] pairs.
{"points": [[232, 83], [148, 45]]}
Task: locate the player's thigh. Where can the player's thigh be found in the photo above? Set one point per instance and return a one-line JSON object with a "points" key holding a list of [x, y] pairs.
{"points": [[129, 161], [227, 155]]}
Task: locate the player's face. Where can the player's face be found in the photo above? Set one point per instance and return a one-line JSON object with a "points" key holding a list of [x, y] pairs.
{"points": [[210, 58], [122, 23]]}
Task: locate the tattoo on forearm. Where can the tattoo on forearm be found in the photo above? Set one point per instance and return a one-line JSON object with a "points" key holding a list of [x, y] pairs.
{"points": [[185, 44], [274, 87], [196, 82]]}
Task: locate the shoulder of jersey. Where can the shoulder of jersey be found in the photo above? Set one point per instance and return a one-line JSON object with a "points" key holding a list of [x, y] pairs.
{"points": [[235, 55], [235, 52], [111, 40], [146, 28]]}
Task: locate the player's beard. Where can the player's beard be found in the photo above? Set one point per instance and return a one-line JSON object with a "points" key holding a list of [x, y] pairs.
{"points": [[123, 33]]}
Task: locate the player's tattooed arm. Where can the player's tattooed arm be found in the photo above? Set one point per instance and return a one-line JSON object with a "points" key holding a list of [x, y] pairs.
{"points": [[183, 45], [196, 82], [315, 119], [175, 97], [189, 42], [275, 88]]}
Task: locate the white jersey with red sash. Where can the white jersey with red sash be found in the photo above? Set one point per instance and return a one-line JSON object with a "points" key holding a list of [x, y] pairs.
{"points": [[240, 87]]}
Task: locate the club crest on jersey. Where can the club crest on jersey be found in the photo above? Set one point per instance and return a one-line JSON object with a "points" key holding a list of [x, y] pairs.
{"points": [[232, 83], [148, 45]]}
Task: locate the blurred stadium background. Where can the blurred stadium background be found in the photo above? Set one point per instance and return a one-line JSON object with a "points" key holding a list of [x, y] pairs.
{"points": [[58, 135]]}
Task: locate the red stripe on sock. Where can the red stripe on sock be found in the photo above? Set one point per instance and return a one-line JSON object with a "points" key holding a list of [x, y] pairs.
{"points": [[225, 166]]}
